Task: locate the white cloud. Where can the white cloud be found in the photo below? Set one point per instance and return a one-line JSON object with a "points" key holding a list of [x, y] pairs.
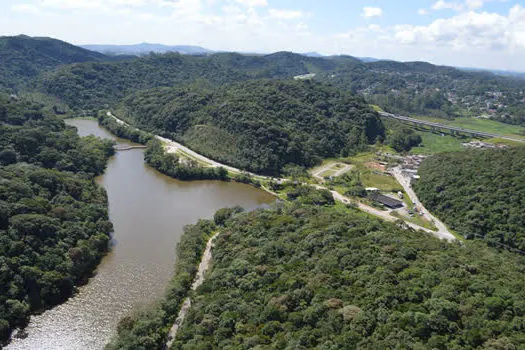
{"points": [[422, 12], [285, 14], [369, 12], [24, 8], [447, 5], [474, 4], [252, 3], [489, 31]]}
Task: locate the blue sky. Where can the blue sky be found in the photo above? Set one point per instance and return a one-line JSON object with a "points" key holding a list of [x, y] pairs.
{"points": [[471, 33]]}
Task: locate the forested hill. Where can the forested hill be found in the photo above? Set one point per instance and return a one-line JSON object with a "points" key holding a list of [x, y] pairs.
{"points": [[23, 58], [259, 125], [408, 88], [92, 85], [307, 277], [53, 217], [102, 84], [480, 194]]}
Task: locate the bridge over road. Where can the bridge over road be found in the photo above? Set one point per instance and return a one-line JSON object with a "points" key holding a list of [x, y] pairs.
{"points": [[448, 127]]}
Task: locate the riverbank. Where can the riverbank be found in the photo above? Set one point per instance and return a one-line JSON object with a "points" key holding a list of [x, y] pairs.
{"points": [[147, 209], [163, 318], [122, 129], [174, 147]]}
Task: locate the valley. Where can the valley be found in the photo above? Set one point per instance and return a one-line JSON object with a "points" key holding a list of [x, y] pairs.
{"points": [[224, 200]]}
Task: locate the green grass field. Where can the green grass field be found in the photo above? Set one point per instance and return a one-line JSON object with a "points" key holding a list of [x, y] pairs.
{"points": [[478, 124], [383, 182], [435, 143]]}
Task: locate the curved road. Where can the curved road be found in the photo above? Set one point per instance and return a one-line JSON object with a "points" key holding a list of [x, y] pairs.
{"points": [[442, 232], [173, 147]]}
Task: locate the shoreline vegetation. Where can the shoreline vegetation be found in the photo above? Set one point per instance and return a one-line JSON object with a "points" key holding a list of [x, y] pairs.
{"points": [[54, 222], [148, 328], [307, 274], [174, 165]]}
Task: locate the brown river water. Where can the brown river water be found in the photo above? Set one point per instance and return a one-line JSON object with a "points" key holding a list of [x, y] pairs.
{"points": [[148, 211]]}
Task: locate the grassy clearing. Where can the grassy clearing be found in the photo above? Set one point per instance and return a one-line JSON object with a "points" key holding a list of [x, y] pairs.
{"points": [[490, 126], [376, 108], [383, 182], [436, 143], [505, 142], [327, 173], [479, 124], [371, 177]]}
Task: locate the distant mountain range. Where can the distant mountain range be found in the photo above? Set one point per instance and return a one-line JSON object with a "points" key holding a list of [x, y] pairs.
{"points": [[146, 49]]}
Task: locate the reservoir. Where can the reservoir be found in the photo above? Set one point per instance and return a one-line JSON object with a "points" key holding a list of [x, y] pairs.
{"points": [[148, 211]]}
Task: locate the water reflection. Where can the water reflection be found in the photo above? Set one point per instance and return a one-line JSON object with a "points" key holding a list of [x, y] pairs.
{"points": [[148, 211]]}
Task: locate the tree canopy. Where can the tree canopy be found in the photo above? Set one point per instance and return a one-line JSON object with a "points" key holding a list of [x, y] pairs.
{"points": [[53, 217], [259, 125], [306, 275], [479, 193]]}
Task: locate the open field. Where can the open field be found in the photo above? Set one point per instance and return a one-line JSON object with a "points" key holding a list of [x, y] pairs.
{"points": [[330, 168], [479, 124], [436, 143]]}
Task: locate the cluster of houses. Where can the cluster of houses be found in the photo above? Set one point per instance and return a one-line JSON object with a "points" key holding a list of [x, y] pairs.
{"points": [[410, 166], [483, 145]]}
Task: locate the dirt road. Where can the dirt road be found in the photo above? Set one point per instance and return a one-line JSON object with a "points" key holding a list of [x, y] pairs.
{"points": [[318, 172], [199, 279]]}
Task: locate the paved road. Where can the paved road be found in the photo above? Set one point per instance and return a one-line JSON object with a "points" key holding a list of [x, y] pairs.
{"points": [[172, 147], [448, 127], [442, 231]]}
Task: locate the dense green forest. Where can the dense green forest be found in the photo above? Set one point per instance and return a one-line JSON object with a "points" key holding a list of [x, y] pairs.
{"points": [[23, 58], [53, 217], [96, 84], [259, 125], [123, 131], [305, 276], [307, 273], [417, 88], [478, 193], [87, 80]]}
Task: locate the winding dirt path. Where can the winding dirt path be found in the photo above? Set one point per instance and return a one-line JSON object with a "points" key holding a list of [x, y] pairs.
{"points": [[199, 279]]}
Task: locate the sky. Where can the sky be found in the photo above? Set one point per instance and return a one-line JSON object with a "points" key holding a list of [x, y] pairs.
{"points": [[465, 33]]}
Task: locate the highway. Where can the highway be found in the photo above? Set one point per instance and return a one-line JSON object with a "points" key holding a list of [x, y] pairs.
{"points": [[448, 127]]}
